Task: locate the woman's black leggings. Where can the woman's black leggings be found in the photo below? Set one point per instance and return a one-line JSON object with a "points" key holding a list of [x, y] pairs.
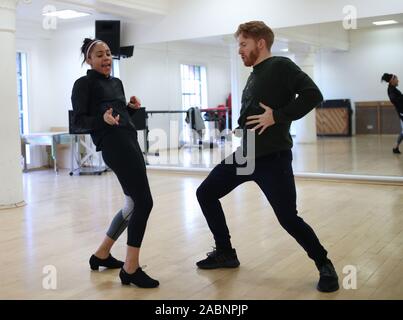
{"points": [[121, 153]]}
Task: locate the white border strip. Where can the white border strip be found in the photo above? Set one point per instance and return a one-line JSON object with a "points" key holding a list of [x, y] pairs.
{"points": [[179, 169], [351, 177], [306, 175]]}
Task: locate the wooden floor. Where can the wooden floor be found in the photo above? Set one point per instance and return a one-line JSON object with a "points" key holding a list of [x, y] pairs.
{"points": [[66, 218], [358, 155]]}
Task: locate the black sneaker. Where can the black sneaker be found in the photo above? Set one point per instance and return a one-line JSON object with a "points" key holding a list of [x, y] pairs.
{"points": [[109, 262], [139, 278], [328, 281], [396, 151], [219, 259]]}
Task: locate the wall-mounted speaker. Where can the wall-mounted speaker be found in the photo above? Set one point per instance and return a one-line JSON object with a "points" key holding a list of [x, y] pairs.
{"points": [[109, 32], [126, 52]]}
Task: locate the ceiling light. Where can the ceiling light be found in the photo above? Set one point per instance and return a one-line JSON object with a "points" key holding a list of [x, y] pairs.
{"points": [[284, 50], [66, 14], [384, 23]]}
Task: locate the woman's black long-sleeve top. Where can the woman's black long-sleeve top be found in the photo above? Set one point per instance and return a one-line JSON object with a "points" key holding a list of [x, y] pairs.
{"points": [[94, 94]]}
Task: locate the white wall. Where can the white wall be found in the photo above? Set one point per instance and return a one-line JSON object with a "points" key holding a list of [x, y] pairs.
{"points": [[37, 49], [324, 35], [153, 74], [11, 187], [31, 40], [66, 68], [356, 74], [54, 63], [204, 18]]}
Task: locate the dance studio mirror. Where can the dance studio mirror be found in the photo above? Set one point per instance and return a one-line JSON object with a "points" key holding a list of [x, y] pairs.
{"points": [[352, 133], [356, 126]]}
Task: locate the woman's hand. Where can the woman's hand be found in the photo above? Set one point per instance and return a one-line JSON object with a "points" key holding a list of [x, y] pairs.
{"points": [[134, 102], [110, 119]]}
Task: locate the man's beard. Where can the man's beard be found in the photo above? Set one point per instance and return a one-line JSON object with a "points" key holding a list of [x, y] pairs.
{"points": [[251, 59]]}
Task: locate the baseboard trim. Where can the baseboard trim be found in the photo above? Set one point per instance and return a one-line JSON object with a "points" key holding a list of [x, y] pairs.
{"points": [[388, 180], [12, 206]]}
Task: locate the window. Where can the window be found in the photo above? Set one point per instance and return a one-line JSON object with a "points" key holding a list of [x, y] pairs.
{"points": [[22, 91], [194, 86], [194, 90], [293, 129], [115, 68], [21, 59]]}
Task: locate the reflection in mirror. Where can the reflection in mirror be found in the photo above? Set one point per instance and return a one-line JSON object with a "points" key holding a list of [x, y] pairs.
{"points": [[352, 132]]}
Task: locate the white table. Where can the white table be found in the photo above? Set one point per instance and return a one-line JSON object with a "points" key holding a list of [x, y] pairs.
{"points": [[51, 139]]}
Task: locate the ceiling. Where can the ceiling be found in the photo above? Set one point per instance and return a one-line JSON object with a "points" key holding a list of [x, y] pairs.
{"points": [[367, 22], [31, 11], [281, 44]]}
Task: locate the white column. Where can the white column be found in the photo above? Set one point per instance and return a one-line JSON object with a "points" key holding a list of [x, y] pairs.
{"points": [[239, 77], [11, 185], [306, 127]]}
